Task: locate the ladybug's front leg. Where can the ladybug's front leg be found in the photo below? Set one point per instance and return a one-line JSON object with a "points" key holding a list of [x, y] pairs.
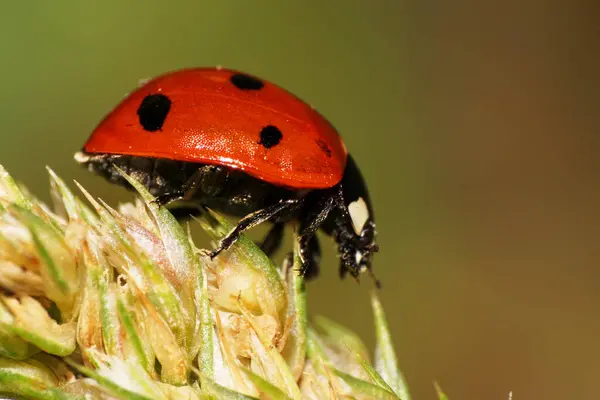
{"points": [[310, 251], [251, 220], [314, 215]]}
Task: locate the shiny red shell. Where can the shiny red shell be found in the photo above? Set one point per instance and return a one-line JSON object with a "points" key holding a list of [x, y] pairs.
{"points": [[212, 121]]}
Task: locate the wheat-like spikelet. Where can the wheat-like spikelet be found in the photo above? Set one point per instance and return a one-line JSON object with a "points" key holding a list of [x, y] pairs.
{"points": [[99, 303]]}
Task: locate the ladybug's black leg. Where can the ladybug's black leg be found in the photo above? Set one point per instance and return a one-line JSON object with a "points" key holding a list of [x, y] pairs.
{"points": [[186, 192], [251, 220], [206, 179], [311, 259], [310, 253], [273, 239]]}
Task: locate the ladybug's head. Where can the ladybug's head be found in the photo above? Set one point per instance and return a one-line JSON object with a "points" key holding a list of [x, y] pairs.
{"points": [[355, 225]]}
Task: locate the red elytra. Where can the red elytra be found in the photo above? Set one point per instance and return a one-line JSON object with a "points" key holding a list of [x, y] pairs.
{"points": [[212, 121]]}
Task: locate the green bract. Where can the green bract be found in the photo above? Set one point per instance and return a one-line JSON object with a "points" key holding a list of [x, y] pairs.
{"points": [[119, 304]]}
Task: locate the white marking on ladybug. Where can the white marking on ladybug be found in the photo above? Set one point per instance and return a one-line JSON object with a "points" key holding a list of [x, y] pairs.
{"points": [[359, 214], [358, 257], [81, 157]]}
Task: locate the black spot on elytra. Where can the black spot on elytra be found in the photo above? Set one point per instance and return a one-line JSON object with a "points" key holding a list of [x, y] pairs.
{"points": [[323, 146], [270, 136], [246, 82], [153, 111]]}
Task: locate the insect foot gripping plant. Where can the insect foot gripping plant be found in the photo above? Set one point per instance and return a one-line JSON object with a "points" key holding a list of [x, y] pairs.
{"points": [[99, 303]]}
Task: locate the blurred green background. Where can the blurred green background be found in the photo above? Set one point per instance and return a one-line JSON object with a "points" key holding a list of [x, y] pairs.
{"points": [[475, 124]]}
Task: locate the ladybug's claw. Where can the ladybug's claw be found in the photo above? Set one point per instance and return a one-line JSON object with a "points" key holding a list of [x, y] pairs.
{"points": [[310, 255], [166, 198], [214, 253], [306, 269], [210, 253], [205, 253]]}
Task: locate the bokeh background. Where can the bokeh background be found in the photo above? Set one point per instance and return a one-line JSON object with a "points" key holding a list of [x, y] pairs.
{"points": [[475, 124]]}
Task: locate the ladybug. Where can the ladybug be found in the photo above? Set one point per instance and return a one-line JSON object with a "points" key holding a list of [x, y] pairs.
{"points": [[226, 140]]}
